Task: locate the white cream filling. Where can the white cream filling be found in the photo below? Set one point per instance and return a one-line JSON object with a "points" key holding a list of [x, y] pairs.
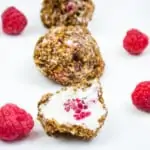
{"points": [[54, 109]]}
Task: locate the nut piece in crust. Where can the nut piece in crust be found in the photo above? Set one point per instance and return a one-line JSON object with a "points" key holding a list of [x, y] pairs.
{"points": [[79, 112], [66, 12], [68, 55]]}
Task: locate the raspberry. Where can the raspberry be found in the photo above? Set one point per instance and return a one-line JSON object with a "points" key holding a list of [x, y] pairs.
{"points": [[13, 21], [141, 96], [135, 42], [15, 123]]}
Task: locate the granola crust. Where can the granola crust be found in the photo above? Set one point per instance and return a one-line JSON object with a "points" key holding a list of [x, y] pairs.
{"points": [[55, 12], [53, 128], [69, 55]]}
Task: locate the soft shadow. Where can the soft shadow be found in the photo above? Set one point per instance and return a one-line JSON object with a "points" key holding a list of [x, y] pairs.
{"points": [[123, 54], [35, 30], [136, 112], [31, 137], [69, 138], [29, 74], [34, 135], [105, 135]]}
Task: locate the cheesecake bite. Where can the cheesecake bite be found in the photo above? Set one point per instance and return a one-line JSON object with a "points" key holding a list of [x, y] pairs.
{"points": [[69, 55], [66, 12], [76, 111]]}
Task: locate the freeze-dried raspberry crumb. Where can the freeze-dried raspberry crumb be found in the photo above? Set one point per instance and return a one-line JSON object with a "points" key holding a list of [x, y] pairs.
{"points": [[135, 42], [15, 123], [78, 111], [82, 115], [13, 21], [85, 107], [79, 107], [141, 96]]}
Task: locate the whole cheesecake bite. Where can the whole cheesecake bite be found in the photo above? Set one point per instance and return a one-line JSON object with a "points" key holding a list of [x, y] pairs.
{"points": [[69, 55], [66, 12], [77, 111]]}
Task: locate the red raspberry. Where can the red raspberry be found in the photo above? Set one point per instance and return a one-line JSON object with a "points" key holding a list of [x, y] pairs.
{"points": [[141, 96], [13, 21], [135, 42], [15, 123]]}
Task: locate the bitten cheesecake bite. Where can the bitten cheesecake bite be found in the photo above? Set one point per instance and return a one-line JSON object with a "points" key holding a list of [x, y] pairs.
{"points": [[69, 55], [79, 112], [66, 12]]}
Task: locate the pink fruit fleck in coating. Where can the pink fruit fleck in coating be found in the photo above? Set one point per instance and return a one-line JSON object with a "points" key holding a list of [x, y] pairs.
{"points": [[71, 7]]}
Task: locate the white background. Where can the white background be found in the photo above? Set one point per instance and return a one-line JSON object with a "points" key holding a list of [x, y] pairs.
{"points": [[20, 82]]}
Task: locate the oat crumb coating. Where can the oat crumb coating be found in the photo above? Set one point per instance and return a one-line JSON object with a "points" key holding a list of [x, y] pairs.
{"points": [[61, 113], [66, 12], [69, 55]]}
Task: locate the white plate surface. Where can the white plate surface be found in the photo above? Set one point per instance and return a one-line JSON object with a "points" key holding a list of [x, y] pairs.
{"points": [[20, 82]]}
